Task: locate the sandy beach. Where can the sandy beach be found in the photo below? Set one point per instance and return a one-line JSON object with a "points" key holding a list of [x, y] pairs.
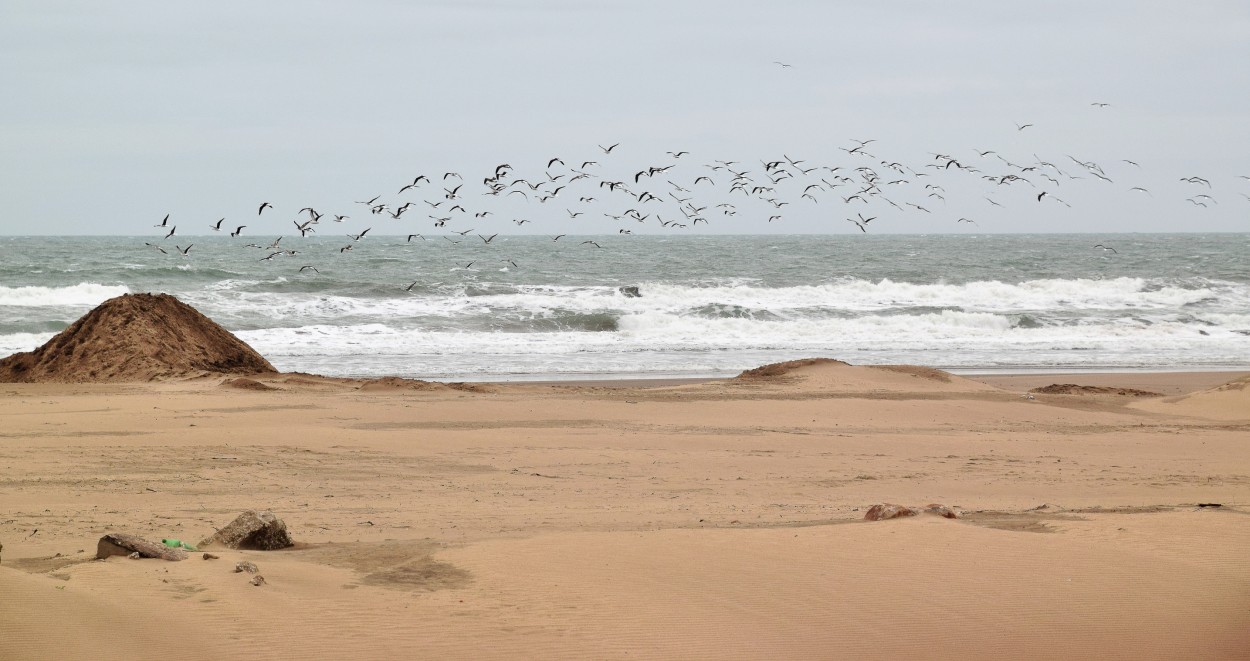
{"points": [[720, 519]]}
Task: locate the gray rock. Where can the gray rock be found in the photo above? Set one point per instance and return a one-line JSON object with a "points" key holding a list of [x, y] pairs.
{"points": [[883, 511], [944, 511], [253, 530]]}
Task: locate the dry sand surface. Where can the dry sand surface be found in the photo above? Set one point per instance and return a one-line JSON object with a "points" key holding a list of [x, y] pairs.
{"points": [[716, 520]]}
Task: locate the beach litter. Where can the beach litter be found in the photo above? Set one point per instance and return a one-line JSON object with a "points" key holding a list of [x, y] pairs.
{"points": [[178, 544]]}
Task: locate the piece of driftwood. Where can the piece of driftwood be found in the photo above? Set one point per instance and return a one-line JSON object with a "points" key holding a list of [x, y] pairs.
{"points": [[123, 544]]}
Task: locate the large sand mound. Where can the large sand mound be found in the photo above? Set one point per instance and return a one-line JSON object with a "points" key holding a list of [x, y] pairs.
{"points": [[135, 337]]}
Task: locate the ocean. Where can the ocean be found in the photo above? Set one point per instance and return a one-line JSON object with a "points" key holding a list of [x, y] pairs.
{"points": [[534, 308]]}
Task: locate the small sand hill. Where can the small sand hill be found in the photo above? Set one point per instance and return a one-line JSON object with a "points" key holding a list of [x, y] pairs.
{"points": [[827, 375], [1230, 401], [396, 384], [1074, 389], [135, 337]]}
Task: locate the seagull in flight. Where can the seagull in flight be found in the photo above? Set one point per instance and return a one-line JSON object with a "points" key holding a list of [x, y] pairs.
{"points": [[238, 231], [606, 150], [264, 205], [1021, 127], [1106, 248], [783, 65], [216, 227], [163, 222]]}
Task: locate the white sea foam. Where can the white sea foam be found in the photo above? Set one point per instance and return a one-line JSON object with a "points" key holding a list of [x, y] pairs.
{"points": [[657, 342], [12, 343], [83, 293], [850, 297]]}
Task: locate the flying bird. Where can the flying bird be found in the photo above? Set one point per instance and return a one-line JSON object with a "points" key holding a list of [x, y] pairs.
{"points": [[264, 205], [216, 227]]}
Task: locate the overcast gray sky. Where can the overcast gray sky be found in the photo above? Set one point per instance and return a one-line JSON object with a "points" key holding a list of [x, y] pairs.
{"points": [[115, 114]]}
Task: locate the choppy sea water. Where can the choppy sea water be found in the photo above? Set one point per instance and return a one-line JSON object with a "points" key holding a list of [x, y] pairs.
{"points": [[530, 307]]}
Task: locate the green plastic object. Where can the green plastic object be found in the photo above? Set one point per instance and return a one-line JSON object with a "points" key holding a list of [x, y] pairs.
{"points": [[178, 544]]}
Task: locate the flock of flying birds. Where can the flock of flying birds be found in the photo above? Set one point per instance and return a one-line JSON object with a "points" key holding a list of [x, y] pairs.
{"points": [[679, 192]]}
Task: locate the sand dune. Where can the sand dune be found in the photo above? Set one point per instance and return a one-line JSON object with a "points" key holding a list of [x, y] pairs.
{"points": [[1228, 401]]}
